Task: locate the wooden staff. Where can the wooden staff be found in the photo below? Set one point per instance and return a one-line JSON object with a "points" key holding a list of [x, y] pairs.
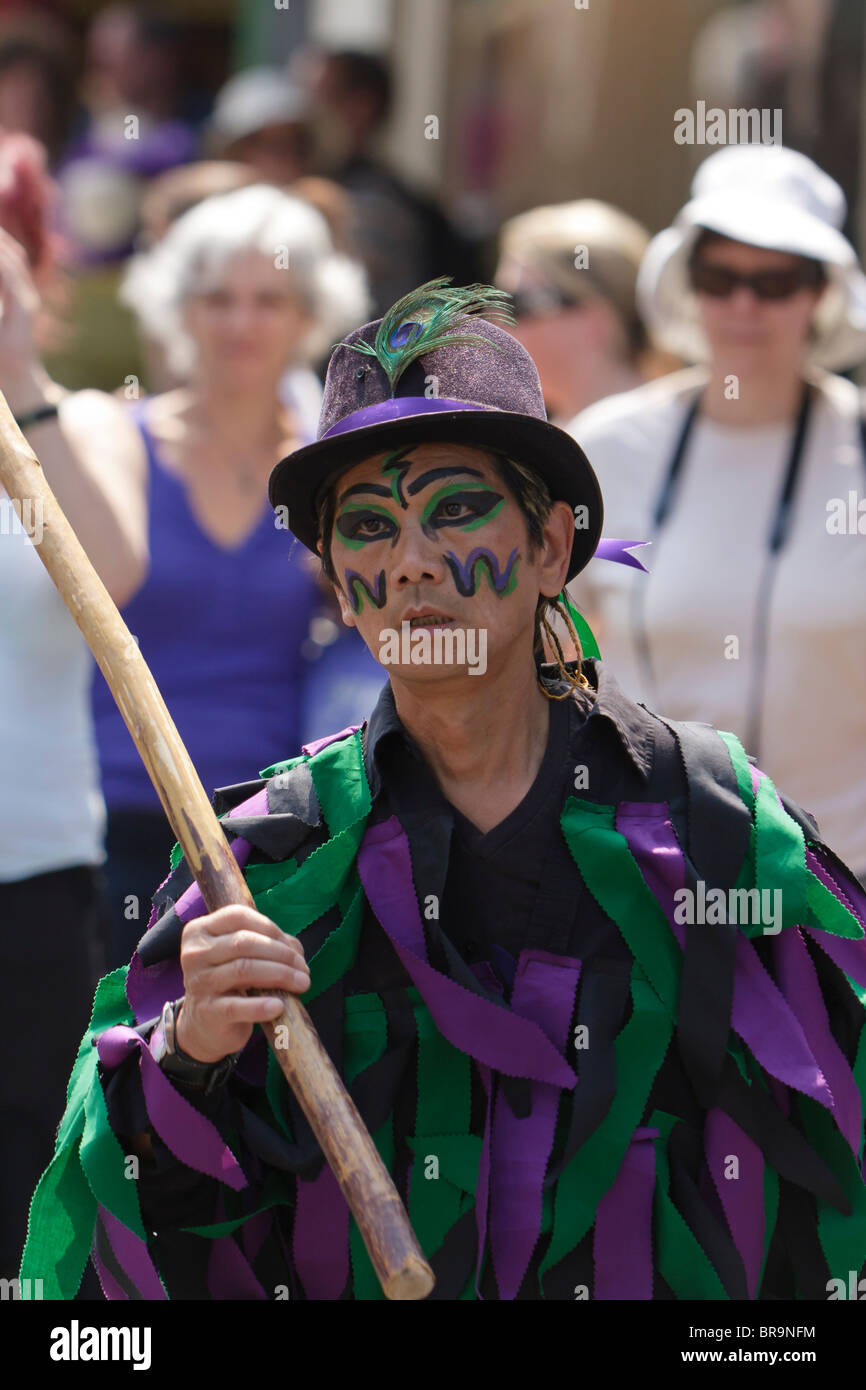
{"points": [[332, 1115]]}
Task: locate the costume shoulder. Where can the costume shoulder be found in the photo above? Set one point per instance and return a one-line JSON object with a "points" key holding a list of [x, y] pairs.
{"points": [[276, 818]]}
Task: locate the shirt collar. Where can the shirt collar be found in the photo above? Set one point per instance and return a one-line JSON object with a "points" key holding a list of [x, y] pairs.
{"points": [[631, 722]]}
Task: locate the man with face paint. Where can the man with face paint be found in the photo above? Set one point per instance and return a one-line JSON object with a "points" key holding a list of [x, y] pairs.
{"points": [[594, 986]]}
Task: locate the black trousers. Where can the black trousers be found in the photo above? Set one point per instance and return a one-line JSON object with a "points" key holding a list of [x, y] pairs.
{"points": [[51, 956], [138, 845]]}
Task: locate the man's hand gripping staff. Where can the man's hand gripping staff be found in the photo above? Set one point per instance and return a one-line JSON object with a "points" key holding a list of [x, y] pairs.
{"points": [[234, 949]]}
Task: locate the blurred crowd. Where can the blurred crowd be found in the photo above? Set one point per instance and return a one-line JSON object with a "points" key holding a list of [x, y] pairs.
{"points": [[174, 269]]}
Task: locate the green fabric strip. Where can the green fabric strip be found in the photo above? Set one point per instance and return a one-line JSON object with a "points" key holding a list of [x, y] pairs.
{"points": [[588, 644], [640, 1050], [443, 1110], [612, 876], [780, 854], [843, 1238], [104, 1164], [827, 913], [742, 768], [63, 1210]]}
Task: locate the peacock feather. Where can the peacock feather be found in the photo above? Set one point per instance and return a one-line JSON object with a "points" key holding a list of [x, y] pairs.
{"points": [[425, 319]]}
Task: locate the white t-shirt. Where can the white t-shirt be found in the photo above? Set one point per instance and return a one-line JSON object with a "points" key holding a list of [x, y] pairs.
{"points": [[700, 602], [53, 815]]}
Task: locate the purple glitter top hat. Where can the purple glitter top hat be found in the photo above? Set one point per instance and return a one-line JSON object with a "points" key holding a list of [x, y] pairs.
{"points": [[431, 371]]}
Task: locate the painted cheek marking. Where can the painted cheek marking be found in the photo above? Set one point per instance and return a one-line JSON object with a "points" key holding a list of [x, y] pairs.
{"points": [[358, 589], [466, 573]]}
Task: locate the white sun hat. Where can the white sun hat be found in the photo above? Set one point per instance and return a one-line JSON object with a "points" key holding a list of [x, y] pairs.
{"points": [[768, 196]]}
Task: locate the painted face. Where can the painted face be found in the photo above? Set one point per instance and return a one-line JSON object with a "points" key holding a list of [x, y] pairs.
{"points": [[429, 539]]}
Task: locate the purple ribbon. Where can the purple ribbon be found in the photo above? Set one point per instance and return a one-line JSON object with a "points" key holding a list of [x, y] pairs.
{"points": [[399, 408], [192, 1139], [622, 1249], [618, 551], [320, 1243], [488, 1032], [544, 991], [741, 1195], [230, 1275], [134, 1259], [311, 749], [760, 1013]]}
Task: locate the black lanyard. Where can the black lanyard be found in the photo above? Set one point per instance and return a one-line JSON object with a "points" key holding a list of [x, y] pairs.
{"points": [[778, 535]]}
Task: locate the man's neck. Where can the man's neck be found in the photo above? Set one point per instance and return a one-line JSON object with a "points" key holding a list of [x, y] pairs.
{"points": [[483, 738]]}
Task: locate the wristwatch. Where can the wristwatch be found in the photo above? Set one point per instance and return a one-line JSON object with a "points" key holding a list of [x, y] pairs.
{"points": [[200, 1076]]}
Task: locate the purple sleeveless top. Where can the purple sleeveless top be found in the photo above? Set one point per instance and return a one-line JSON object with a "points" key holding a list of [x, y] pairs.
{"points": [[221, 630]]}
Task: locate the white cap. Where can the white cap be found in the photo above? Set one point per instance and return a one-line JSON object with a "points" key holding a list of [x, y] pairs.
{"points": [[255, 98]]}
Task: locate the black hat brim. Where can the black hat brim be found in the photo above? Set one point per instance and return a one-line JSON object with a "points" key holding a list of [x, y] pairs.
{"points": [[297, 480]]}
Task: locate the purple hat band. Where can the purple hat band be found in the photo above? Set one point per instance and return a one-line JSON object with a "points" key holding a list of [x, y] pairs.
{"points": [[396, 409]]}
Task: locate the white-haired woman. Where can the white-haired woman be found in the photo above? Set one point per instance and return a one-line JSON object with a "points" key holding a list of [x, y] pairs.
{"points": [[243, 288], [746, 473]]}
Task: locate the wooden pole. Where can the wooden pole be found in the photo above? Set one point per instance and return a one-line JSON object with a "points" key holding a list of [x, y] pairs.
{"points": [[332, 1115]]}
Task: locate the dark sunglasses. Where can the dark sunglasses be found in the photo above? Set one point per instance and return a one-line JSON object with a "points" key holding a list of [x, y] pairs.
{"points": [[719, 281], [540, 299]]}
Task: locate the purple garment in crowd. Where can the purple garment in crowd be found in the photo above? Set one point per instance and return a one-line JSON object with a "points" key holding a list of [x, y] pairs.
{"points": [[221, 631]]}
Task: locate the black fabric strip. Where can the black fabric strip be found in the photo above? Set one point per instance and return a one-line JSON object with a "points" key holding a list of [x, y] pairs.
{"points": [[719, 824], [454, 1261], [781, 1143], [685, 1156], [226, 798], [602, 1002], [278, 836], [293, 794], [108, 1258], [798, 1219]]}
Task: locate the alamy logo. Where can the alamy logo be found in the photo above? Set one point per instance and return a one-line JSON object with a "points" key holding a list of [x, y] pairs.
{"points": [[436, 646], [736, 126], [20, 1288], [76, 1343], [743, 906]]}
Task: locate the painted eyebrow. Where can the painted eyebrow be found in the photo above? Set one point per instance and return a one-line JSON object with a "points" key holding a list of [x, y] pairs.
{"points": [[377, 488], [433, 473]]}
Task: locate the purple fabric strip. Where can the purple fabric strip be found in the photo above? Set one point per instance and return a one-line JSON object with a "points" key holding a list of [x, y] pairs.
{"points": [[133, 1257], [742, 1193], [488, 1032], [398, 408], [849, 894], [799, 984], [192, 1139], [311, 749], [230, 1276], [544, 991], [609, 548], [320, 1242], [622, 1249], [110, 1287], [760, 1013], [482, 1185]]}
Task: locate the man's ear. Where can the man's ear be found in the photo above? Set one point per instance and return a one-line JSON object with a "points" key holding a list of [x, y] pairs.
{"points": [[555, 550]]}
